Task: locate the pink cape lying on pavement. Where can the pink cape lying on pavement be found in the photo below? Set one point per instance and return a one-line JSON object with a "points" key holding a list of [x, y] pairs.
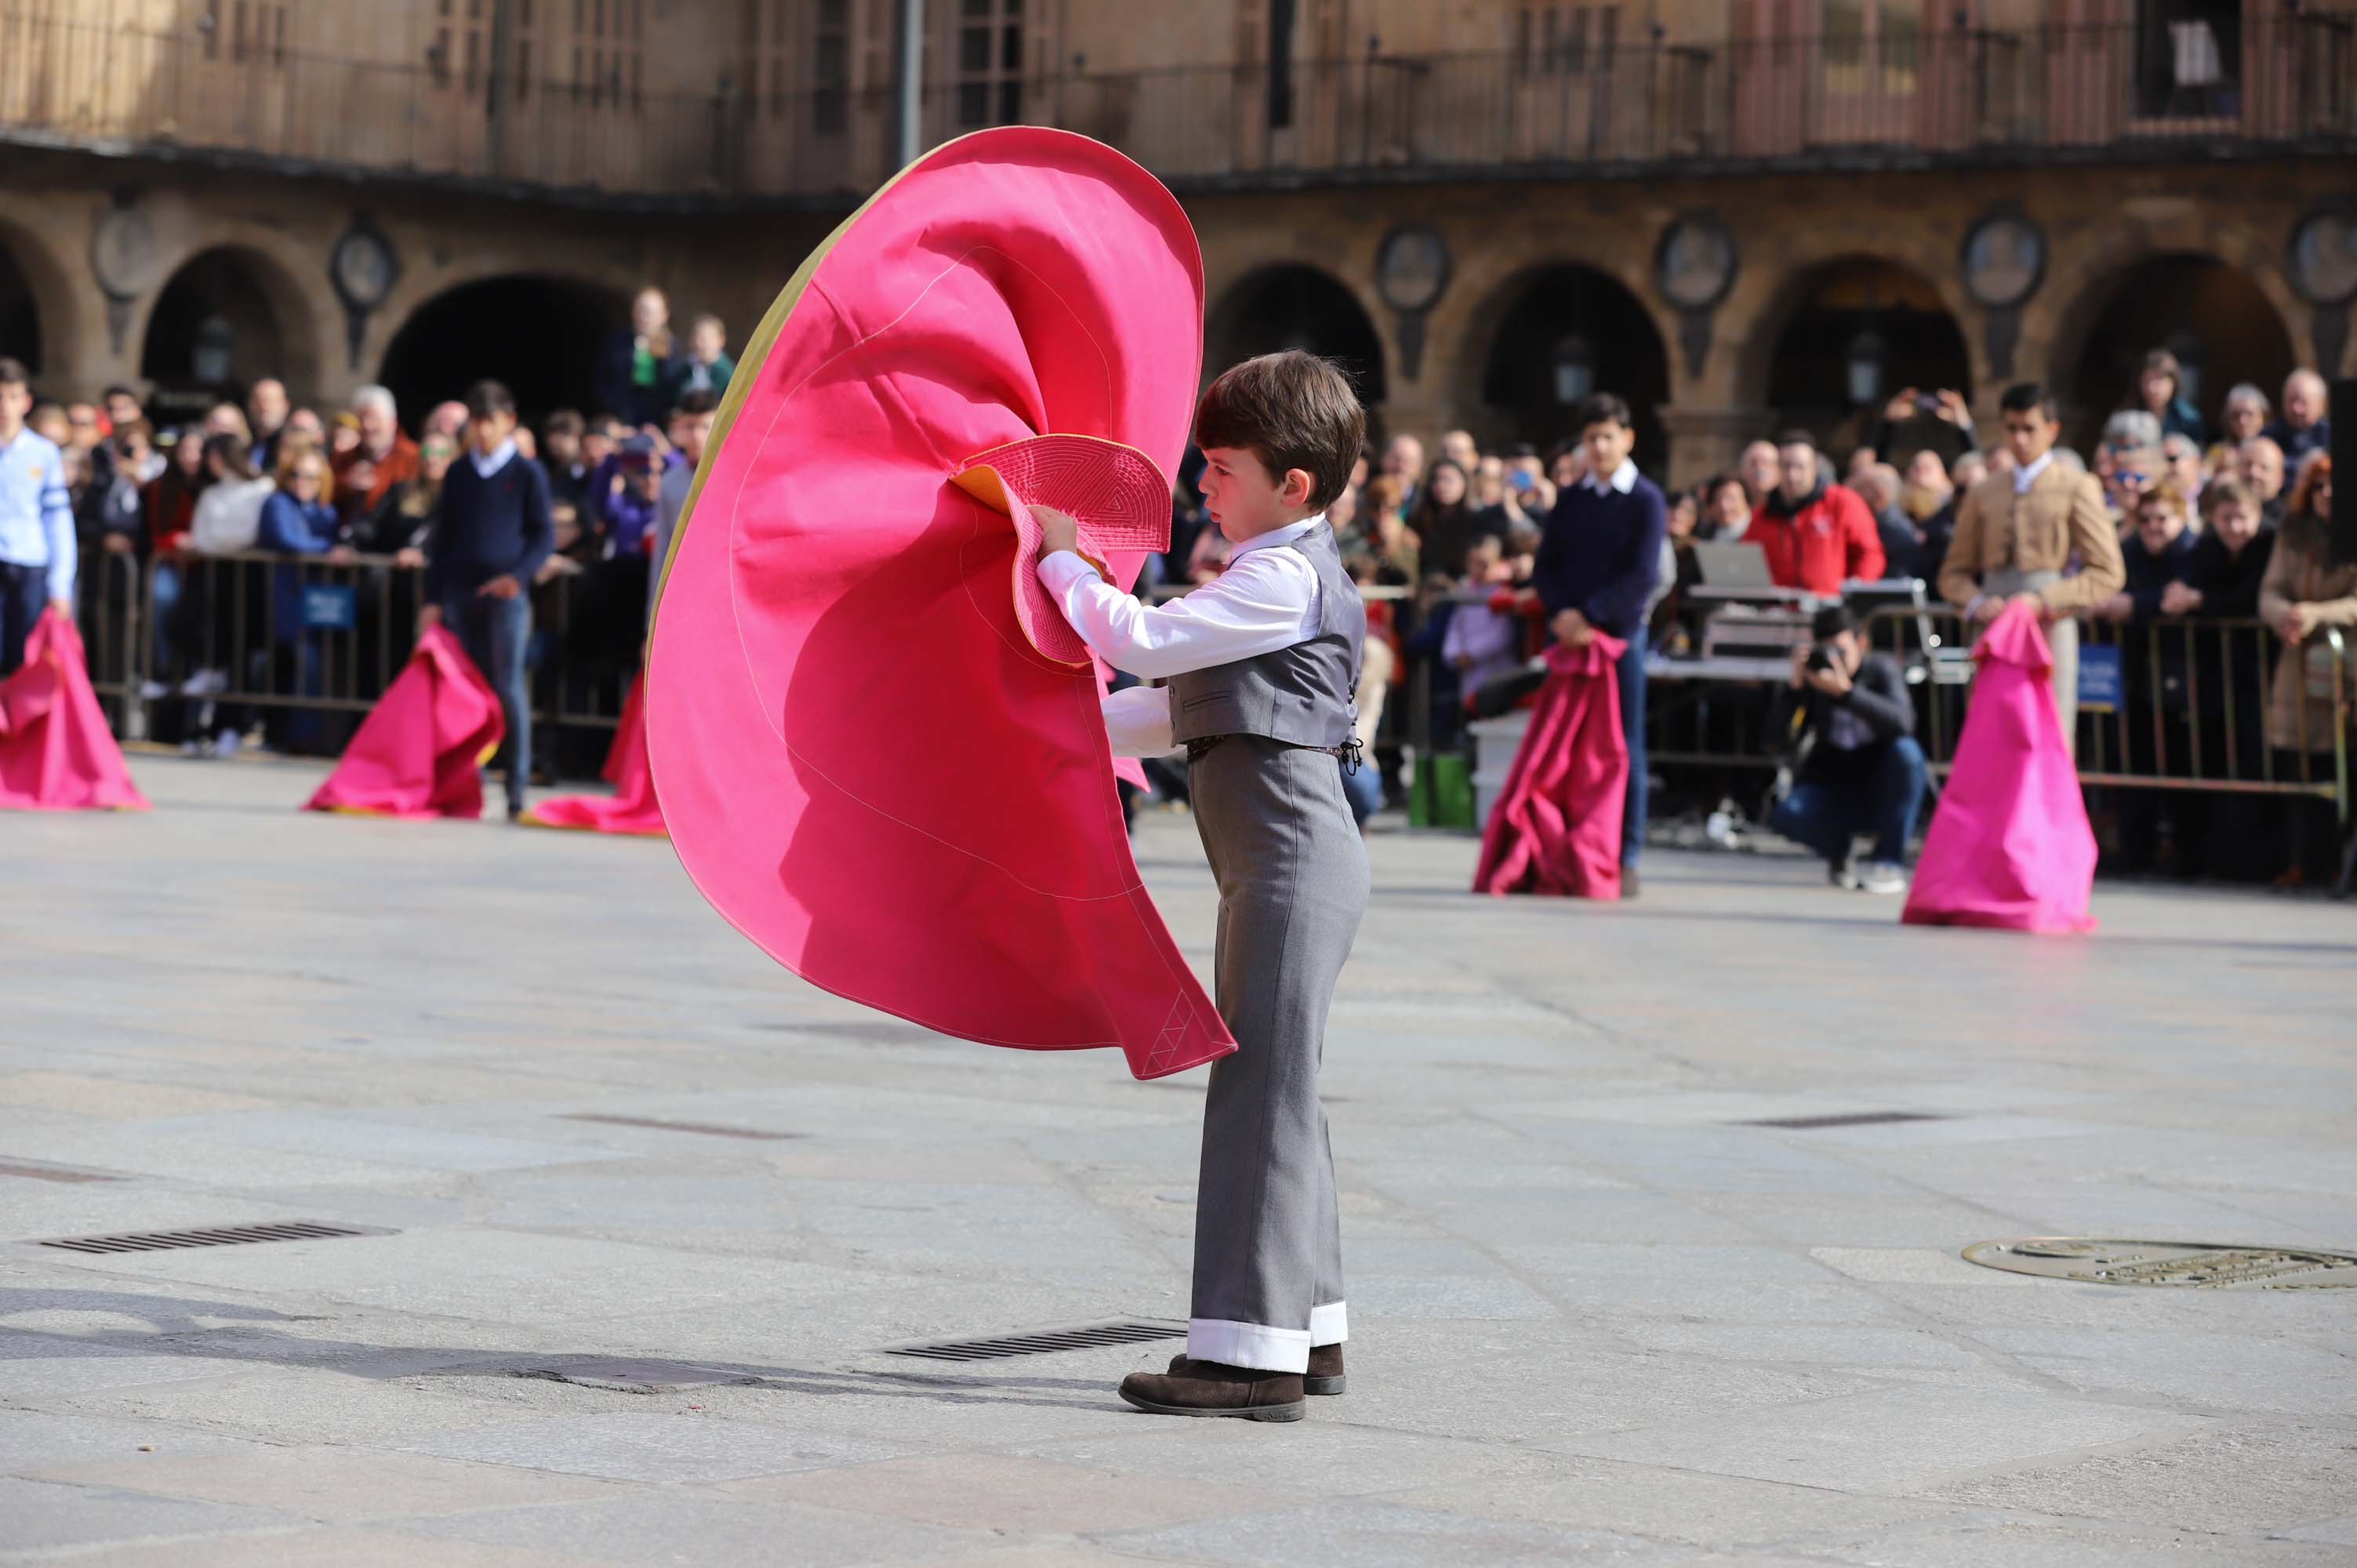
{"points": [[631, 808], [876, 743], [2009, 845], [56, 751], [419, 752], [1556, 826]]}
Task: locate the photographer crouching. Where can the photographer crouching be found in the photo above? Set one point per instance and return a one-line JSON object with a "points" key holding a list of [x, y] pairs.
{"points": [[1861, 771]]}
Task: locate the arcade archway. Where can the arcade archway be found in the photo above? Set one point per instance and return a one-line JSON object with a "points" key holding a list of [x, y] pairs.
{"points": [[2221, 328], [1861, 329], [20, 314], [1296, 307], [220, 325], [538, 334], [1561, 333]]}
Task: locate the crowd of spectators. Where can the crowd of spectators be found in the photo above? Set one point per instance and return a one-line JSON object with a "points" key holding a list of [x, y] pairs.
{"points": [[2222, 519], [191, 503], [2223, 524]]}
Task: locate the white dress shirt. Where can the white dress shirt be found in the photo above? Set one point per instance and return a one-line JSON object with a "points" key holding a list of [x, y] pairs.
{"points": [[1266, 599], [2023, 478], [1624, 479], [487, 467]]}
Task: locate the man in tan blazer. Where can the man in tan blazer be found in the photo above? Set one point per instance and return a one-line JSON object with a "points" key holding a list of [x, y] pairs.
{"points": [[2038, 534]]}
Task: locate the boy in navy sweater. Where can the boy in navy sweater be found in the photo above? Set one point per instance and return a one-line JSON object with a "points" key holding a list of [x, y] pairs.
{"points": [[1596, 566], [490, 534]]}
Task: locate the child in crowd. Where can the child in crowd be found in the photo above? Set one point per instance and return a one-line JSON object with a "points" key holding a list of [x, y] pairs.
{"points": [[491, 531], [707, 367]]}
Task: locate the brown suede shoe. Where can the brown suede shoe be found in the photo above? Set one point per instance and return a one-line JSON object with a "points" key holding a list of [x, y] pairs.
{"points": [[1324, 1377], [1207, 1387]]}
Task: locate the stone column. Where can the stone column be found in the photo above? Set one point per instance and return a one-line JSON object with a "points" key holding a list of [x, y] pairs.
{"points": [[1705, 440]]}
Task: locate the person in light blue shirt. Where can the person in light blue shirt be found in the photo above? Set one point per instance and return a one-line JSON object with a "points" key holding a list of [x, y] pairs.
{"points": [[36, 530]]}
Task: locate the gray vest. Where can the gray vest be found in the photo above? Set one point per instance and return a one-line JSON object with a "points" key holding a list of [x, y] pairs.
{"points": [[1301, 694]]}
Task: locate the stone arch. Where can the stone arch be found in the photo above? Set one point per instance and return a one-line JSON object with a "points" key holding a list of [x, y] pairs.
{"points": [[270, 328], [538, 333], [39, 322], [1525, 336], [2221, 295], [1796, 357], [1294, 304]]}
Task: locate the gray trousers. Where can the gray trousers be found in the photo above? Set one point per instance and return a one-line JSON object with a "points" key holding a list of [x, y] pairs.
{"points": [[2061, 643], [1292, 873]]}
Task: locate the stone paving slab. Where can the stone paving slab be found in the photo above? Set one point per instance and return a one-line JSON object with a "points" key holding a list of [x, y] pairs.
{"points": [[1601, 1316]]}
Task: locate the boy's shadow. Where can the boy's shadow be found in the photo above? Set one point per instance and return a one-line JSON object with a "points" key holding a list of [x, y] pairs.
{"points": [[173, 1329]]}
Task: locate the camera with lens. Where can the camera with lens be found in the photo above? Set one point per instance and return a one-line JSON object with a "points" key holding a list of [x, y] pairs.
{"points": [[1823, 659]]}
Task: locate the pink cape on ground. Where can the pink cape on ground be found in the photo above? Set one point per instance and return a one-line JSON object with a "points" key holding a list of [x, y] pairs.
{"points": [[1556, 826], [2009, 845], [419, 752], [56, 751], [876, 744], [631, 808]]}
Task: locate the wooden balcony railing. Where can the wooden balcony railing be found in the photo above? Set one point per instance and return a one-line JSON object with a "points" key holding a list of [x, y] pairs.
{"points": [[2285, 82]]}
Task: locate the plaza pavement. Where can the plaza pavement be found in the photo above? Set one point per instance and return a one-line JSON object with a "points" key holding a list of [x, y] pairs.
{"points": [[1599, 1317]]}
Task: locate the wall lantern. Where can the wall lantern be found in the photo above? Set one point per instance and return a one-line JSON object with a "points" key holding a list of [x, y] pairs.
{"points": [[1575, 371], [1864, 363], [216, 348]]}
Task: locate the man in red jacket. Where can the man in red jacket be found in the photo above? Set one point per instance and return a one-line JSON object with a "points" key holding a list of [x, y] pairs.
{"points": [[1816, 535]]}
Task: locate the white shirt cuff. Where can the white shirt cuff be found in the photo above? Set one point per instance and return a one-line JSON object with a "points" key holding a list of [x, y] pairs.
{"points": [[1137, 721], [1059, 570]]}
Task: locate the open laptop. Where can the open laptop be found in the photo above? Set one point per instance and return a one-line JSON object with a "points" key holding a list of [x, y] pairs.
{"points": [[1731, 563]]}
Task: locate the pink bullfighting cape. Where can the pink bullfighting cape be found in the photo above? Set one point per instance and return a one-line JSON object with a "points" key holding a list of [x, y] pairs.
{"points": [[876, 741], [417, 753], [56, 752], [2009, 845], [631, 808], [1557, 825]]}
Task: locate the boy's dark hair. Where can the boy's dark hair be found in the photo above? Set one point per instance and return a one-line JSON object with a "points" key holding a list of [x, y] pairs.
{"points": [[487, 398], [1604, 408], [2025, 397], [563, 422], [702, 400], [1291, 410], [1521, 449], [1831, 622], [14, 374], [119, 390], [1797, 438]]}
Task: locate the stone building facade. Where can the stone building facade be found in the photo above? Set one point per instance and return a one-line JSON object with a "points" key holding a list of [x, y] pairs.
{"points": [[1743, 213]]}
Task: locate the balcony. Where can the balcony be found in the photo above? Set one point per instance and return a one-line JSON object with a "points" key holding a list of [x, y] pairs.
{"points": [[2283, 84]]}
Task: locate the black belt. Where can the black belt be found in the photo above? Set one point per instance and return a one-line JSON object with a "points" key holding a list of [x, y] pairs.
{"points": [[1349, 751]]}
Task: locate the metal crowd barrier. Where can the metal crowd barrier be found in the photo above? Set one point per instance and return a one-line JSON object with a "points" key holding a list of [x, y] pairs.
{"points": [[2178, 703], [306, 644]]}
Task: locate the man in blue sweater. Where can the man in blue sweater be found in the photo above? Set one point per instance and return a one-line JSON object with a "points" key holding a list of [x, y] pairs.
{"points": [[490, 534], [1597, 561]]}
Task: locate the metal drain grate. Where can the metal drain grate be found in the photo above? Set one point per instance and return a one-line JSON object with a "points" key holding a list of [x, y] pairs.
{"points": [[1088, 1337], [706, 1128], [214, 1236], [1851, 1119]]}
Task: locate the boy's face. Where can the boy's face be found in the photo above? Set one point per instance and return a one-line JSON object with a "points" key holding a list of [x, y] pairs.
{"points": [[1245, 500], [563, 445], [706, 342], [695, 430], [16, 403], [492, 430], [1607, 443]]}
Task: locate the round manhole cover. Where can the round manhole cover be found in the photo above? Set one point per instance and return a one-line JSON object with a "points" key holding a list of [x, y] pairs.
{"points": [[2203, 1265]]}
